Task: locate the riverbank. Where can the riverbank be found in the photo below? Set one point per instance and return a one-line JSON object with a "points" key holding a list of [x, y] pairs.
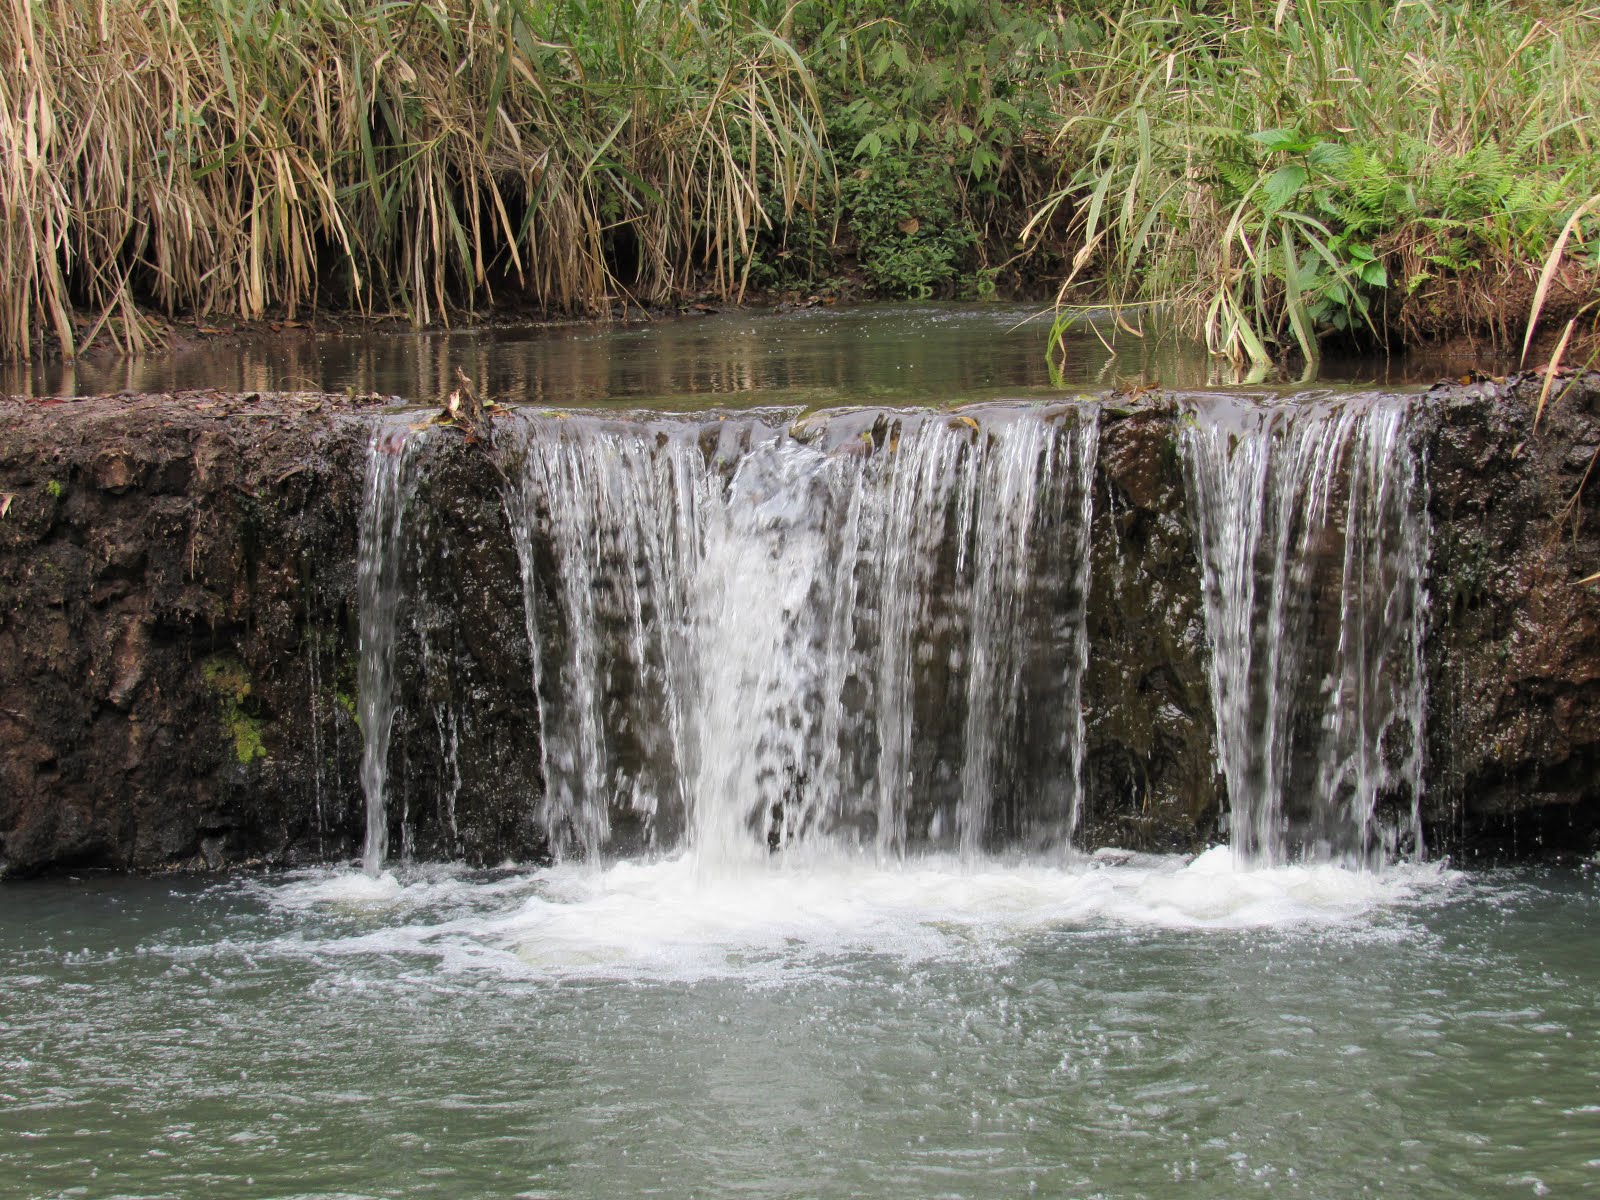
{"points": [[1402, 176]]}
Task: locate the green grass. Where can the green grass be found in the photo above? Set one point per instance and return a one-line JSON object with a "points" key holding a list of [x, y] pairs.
{"points": [[1270, 175], [1273, 174]]}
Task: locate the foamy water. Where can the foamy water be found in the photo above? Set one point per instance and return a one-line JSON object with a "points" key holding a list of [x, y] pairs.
{"points": [[676, 919], [1127, 1026]]}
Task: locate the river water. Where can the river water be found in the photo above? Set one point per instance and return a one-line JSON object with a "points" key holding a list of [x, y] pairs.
{"points": [[866, 354], [1143, 1029], [879, 1016]]}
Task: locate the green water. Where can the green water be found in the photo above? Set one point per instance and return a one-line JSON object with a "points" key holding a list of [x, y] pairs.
{"points": [[451, 1037], [873, 354]]}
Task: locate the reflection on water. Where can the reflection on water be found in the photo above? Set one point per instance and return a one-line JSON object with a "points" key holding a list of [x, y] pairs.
{"points": [[922, 353], [925, 353]]}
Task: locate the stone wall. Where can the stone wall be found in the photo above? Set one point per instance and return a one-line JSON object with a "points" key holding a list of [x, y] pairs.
{"points": [[173, 572], [1514, 656], [178, 637]]}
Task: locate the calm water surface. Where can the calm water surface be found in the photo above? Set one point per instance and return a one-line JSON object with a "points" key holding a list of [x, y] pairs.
{"points": [[867, 354], [834, 1030]]}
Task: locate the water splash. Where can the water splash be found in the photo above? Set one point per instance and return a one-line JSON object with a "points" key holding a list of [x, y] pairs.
{"points": [[765, 637], [1312, 530], [667, 920], [388, 484]]}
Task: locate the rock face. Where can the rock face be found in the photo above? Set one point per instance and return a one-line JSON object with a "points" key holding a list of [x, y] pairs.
{"points": [[174, 584], [1514, 656], [178, 637], [1149, 777], [464, 751]]}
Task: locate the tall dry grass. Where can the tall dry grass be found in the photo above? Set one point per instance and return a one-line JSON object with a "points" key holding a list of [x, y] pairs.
{"points": [[237, 155]]}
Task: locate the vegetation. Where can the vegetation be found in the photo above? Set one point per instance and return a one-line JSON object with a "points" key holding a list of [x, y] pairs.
{"points": [[940, 115], [229, 680], [1278, 172], [239, 155], [1271, 172]]}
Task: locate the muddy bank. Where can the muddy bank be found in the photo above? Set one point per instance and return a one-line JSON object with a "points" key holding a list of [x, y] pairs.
{"points": [[178, 637]]}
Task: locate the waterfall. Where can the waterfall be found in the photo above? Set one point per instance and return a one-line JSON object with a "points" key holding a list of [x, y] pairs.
{"points": [[756, 636], [389, 479], [1312, 530], [865, 630]]}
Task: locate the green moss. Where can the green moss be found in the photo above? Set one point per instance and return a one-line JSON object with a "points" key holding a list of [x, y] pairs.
{"points": [[230, 680], [54, 489], [226, 676], [246, 733], [345, 689]]}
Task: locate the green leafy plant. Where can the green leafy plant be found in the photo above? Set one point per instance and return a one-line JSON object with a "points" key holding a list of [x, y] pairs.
{"points": [[1277, 173], [905, 218], [938, 111]]}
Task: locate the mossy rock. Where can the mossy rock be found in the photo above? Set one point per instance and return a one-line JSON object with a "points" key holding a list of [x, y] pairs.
{"points": [[230, 680]]}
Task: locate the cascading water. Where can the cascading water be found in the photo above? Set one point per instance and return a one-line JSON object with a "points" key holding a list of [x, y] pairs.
{"points": [[767, 636], [616, 506], [867, 629], [1313, 538], [378, 581]]}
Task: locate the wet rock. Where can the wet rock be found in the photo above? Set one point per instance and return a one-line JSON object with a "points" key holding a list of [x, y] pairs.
{"points": [[113, 471], [1149, 782], [128, 663], [124, 570], [148, 537], [1514, 653], [464, 760], [211, 853]]}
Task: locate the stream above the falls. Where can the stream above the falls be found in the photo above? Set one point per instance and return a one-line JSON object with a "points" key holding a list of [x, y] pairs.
{"points": [[933, 353]]}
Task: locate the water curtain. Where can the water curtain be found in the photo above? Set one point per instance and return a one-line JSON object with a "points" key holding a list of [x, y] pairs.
{"points": [[390, 478], [867, 629], [770, 636], [1311, 524]]}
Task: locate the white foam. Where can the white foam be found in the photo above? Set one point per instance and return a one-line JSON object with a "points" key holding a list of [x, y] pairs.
{"points": [[673, 920], [353, 892], [346, 888]]}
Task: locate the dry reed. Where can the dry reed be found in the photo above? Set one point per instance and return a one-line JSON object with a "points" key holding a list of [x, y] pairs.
{"points": [[238, 156]]}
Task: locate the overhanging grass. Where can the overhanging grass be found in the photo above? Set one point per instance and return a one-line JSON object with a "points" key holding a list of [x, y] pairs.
{"points": [[236, 155], [1273, 172]]}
